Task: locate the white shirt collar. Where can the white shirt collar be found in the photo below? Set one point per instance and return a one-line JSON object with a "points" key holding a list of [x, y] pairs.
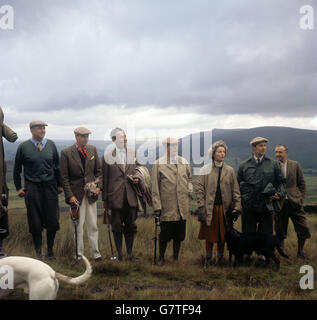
{"points": [[256, 159]]}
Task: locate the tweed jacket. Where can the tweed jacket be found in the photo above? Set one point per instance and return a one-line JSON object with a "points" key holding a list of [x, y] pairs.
{"points": [[115, 182], [74, 176]]}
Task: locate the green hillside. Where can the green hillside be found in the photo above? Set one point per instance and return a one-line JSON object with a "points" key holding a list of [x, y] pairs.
{"points": [[299, 141]]}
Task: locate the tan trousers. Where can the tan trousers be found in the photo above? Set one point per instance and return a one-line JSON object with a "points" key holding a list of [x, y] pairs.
{"points": [[88, 213]]}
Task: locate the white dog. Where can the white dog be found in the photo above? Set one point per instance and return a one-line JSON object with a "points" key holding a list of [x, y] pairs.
{"points": [[39, 279]]}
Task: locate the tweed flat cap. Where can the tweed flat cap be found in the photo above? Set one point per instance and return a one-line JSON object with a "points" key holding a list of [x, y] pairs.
{"points": [[37, 123], [258, 140], [82, 131], [170, 140]]}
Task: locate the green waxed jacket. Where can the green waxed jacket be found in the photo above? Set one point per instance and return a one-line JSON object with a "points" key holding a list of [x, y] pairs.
{"points": [[253, 179]]}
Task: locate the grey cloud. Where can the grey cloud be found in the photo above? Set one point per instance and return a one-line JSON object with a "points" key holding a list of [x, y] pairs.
{"points": [[217, 57]]}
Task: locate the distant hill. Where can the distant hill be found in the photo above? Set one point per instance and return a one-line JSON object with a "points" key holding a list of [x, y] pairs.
{"points": [[301, 144]]}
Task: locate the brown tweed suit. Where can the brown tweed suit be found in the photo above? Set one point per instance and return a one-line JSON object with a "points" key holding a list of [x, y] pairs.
{"points": [[293, 206]]}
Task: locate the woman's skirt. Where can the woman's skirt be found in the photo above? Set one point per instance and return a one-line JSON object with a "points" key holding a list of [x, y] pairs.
{"points": [[216, 231]]}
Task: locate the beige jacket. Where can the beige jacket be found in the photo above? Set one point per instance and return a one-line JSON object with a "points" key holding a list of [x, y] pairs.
{"points": [[206, 188], [171, 188]]}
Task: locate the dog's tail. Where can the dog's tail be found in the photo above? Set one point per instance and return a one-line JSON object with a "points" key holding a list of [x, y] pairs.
{"points": [[78, 280], [281, 251]]}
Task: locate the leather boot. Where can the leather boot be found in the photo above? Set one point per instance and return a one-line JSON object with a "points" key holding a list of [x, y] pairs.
{"points": [[37, 241], [129, 239], [301, 243], [162, 249], [117, 236], [176, 248]]}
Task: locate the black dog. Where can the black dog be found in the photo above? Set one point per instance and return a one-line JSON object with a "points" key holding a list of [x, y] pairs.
{"points": [[240, 244]]}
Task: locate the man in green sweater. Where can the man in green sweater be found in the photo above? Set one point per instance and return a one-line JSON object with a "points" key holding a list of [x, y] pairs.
{"points": [[40, 160]]}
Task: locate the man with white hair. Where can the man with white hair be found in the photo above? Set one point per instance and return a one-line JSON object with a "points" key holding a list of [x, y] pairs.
{"points": [[171, 189], [81, 180]]}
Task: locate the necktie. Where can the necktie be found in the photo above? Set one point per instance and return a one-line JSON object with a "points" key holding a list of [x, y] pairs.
{"points": [[39, 146], [83, 151]]}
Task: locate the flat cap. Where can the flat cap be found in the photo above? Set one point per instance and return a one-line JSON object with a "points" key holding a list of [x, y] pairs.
{"points": [[258, 140], [170, 140], [82, 131], [37, 123]]}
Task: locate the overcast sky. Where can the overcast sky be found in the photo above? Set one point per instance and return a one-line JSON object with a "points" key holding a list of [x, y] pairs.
{"points": [[168, 67]]}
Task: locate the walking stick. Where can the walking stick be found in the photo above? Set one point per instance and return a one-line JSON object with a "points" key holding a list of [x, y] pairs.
{"points": [[74, 215], [157, 224], [113, 257], [107, 222]]}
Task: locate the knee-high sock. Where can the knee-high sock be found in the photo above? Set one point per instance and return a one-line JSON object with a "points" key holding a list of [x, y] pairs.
{"points": [[208, 247], [129, 238], [220, 247], [117, 236], [37, 241], [50, 236], [162, 249], [176, 248]]}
